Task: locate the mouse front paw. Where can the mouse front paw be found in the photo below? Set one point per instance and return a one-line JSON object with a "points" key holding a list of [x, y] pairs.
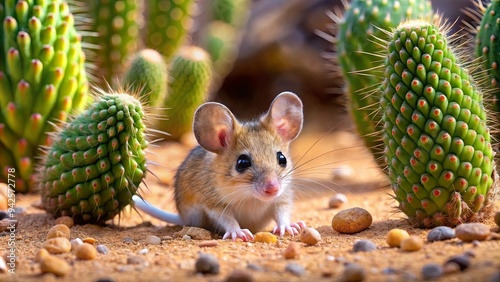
{"points": [[292, 228], [243, 234]]}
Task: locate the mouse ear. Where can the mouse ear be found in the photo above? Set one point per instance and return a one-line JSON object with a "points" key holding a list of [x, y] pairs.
{"points": [[214, 126], [286, 116]]}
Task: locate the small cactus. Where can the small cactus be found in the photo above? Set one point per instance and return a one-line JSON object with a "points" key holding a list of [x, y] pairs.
{"points": [[436, 135], [97, 161], [42, 79]]}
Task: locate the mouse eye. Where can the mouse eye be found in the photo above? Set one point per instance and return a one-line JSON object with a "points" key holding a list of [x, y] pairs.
{"points": [[243, 163], [281, 159]]}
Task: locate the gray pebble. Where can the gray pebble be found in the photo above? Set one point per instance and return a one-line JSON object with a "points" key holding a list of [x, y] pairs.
{"points": [[389, 270], [128, 240], [240, 276], [20, 210], [495, 277], [353, 272], [207, 264], [139, 260], [441, 233], [255, 267], [470, 253], [295, 269], [462, 261], [153, 240], [102, 249], [364, 246], [432, 271]]}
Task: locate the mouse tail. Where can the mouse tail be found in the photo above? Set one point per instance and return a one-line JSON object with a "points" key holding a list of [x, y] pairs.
{"points": [[157, 212]]}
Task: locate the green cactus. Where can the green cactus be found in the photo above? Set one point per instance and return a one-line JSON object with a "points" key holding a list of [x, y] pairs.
{"points": [[233, 12], [437, 141], [358, 54], [147, 75], [221, 42], [42, 79], [97, 161], [188, 87], [116, 33], [168, 24]]}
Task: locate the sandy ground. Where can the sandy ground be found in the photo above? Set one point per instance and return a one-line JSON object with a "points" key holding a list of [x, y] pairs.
{"points": [[174, 258]]}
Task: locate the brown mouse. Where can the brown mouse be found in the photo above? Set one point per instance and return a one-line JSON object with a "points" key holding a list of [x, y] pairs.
{"points": [[240, 177]]}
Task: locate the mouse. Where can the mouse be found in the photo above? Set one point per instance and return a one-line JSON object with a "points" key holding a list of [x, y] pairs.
{"points": [[239, 176]]}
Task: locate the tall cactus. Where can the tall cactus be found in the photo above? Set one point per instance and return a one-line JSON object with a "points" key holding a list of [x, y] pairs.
{"points": [[358, 54], [42, 79], [438, 148]]}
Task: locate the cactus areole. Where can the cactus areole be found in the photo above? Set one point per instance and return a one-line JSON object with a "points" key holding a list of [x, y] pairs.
{"points": [[97, 161], [437, 142]]}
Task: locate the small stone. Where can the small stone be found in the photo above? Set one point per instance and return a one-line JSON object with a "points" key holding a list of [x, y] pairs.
{"points": [[352, 220], [353, 272], [102, 249], [3, 214], [41, 254], [476, 243], [265, 237], [470, 253], [143, 251], [137, 260], [389, 271], [462, 261], [364, 246], [255, 267], [432, 271], [59, 230], [440, 233], [412, 243], [469, 232], [207, 264], [292, 251], [395, 236], [186, 238], [451, 267], [153, 240], [342, 172], [57, 245], [54, 265], [89, 240], [195, 233], [66, 220], [240, 276], [208, 243], [337, 200], [310, 236], [295, 269], [128, 240], [75, 243], [86, 251]]}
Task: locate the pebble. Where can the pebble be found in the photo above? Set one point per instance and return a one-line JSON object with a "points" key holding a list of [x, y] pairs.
{"points": [[75, 243], [497, 218], [295, 269], [102, 249], [462, 261], [352, 220], [432, 271], [57, 245], [128, 240], [208, 243], [137, 260], [412, 243], [153, 240], [364, 246], [440, 233], [451, 267], [342, 172], [186, 238], [240, 276], [59, 230], [395, 236], [89, 240], [86, 251], [255, 267], [265, 237], [337, 200], [41, 254], [54, 265], [207, 264], [66, 220], [3, 214], [469, 232], [310, 236], [292, 251], [195, 233], [353, 272], [143, 251]]}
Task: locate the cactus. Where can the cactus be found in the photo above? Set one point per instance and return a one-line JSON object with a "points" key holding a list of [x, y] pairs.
{"points": [[42, 79], [359, 58], [147, 75], [233, 12], [188, 87], [97, 161], [437, 141], [116, 33], [167, 26]]}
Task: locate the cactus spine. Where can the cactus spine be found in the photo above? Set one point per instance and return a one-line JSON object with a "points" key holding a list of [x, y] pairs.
{"points": [[97, 161], [42, 79], [438, 148]]}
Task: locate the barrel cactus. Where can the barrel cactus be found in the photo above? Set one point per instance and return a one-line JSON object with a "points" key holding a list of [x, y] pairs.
{"points": [[436, 135], [42, 79], [97, 161], [358, 55]]}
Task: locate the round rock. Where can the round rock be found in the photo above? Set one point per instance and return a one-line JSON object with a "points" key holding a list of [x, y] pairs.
{"points": [[337, 200], [54, 265], [102, 249], [295, 269], [364, 246], [462, 261], [292, 251], [207, 264], [86, 252], [352, 220], [395, 236], [310, 236], [66, 220], [153, 240], [469, 232], [240, 276], [353, 272], [412, 243], [432, 271], [440, 233], [59, 230], [57, 245]]}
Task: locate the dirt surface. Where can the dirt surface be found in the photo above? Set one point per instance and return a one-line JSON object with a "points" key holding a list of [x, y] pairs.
{"points": [[174, 259]]}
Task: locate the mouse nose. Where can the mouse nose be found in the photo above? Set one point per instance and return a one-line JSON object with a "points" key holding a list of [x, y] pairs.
{"points": [[271, 187]]}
